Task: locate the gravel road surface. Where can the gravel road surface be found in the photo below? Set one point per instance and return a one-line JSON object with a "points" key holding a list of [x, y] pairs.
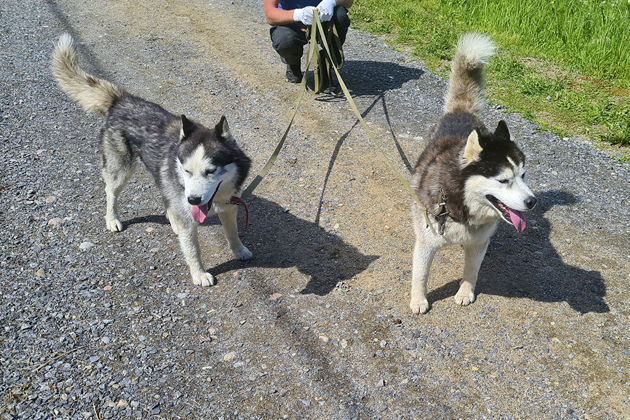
{"points": [[108, 326]]}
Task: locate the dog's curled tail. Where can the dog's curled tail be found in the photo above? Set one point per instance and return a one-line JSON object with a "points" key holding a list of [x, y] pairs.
{"points": [[90, 92], [466, 83]]}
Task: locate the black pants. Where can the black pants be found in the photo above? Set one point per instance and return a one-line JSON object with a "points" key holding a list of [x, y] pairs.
{"points": [[289, 40]]}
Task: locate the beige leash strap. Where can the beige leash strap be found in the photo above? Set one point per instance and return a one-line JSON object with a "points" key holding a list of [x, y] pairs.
{"points": [[313, 52]]}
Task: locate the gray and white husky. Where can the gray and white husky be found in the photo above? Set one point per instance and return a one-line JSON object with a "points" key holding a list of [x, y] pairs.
{"points": [[197, 169], [467, 179]]}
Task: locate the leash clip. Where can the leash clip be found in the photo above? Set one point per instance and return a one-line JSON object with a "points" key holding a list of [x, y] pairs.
{"points": [[442, 216]]}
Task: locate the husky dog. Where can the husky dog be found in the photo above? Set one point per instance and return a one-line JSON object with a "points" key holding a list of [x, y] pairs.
{"points": [[467, 179], [196, 169]]}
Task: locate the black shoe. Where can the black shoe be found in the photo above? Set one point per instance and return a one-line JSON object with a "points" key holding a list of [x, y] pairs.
{"points": [[294, 73]]}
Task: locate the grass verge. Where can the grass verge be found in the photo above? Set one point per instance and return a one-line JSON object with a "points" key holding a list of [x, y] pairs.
{"points": [[564, 64]]}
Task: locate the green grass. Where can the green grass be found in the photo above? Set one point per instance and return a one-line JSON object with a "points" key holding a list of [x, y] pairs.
{"points": [[564, 64]]}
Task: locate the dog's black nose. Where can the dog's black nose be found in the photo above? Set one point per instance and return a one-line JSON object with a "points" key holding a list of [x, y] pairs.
{"points": [[530, 202], [194, 200]]}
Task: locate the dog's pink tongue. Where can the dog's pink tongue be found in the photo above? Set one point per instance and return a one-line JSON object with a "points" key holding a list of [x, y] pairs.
{"points": [[517, 219], [199, 213]]}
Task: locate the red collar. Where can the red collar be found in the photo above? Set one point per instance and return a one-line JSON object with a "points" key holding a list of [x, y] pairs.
{"points": [[239, 202]]}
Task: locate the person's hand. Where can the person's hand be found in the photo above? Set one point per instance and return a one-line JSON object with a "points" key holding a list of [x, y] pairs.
{"points": [[304, 15], [326, 9]]}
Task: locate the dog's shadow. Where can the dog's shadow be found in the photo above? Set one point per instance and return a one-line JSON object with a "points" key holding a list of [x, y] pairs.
{"points": [[527, 265], [279, 239]]}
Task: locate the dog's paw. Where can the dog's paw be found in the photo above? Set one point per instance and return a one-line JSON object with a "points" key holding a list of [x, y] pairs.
{"points": [[243, 253], [114, 225], [203, 279], [419, 307], [464, 298]]}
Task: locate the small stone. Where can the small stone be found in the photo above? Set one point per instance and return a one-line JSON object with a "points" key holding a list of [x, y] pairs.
{"points": [[474, 368], [344, 344], [84, 246], [181, 295], [275, 296], [40, 273], [383, 343], [122, 403], [381, 382], [324, 338], [228, 357], [94, 359], [135, 404], [107, 288], [50, 199], [149, 229], [55, 221], [105, 340]]}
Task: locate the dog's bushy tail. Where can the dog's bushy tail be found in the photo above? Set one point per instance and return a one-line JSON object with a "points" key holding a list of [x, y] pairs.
{"points": [[466, 83], [90, 92]]}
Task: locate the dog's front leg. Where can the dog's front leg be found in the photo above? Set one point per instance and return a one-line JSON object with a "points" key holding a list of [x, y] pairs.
{"points": [[473, 256], [227, 216], [187, 234], [422, 259]]}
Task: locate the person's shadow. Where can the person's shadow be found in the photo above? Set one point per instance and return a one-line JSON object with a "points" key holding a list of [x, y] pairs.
{"points": [[369, 78], [526, 265], [279, 239]]}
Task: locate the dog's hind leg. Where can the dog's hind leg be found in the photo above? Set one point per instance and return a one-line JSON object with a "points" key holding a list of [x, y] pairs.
{"points": [[118, 165], [473, 256], [422, 258], [227, 216]]}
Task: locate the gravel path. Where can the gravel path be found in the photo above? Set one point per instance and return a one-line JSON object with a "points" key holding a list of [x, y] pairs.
{"points": [[102, 325]]}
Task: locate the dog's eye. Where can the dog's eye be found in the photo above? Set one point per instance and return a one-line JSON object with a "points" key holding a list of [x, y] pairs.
{"points": [[210, 171], [188, 172], [523, 177], [504, 181]]}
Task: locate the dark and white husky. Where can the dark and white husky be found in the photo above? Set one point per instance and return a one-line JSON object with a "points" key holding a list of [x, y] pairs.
{"points": [[196, 169], [468, 178]]}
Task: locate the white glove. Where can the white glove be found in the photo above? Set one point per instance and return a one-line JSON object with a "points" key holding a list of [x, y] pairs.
{"points": [[326, 9], [304, 15]]}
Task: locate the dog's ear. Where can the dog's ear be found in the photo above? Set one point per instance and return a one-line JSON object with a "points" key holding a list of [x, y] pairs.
{"points": [[187, 127], [502, 133], [473, 148], [223, 129]]}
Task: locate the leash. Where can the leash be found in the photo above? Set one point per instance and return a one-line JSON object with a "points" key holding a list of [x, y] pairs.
{"points": [[323, 64], [313, 52], [368, 131], [247, 193]]}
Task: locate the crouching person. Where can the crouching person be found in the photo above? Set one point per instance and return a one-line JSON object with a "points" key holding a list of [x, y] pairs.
{"points": [[290, 20]]}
